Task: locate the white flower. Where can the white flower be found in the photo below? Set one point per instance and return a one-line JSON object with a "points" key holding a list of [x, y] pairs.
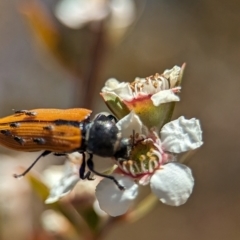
{"points": [[151, 98], [153, 162], [77, 13], [63, 179], [161, 88]]}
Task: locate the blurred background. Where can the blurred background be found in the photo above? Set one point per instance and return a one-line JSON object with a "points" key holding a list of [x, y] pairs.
{"points": [[49, 58]]}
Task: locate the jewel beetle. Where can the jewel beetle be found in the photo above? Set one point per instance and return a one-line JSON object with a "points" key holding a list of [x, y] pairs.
{"points": [[62, 131]]}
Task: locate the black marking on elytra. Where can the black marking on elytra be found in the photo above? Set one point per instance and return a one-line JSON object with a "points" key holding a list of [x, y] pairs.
{"points": [[6, 132], [20, 111], [14, 124], [39, 141], [48, 128], [19, 140], [60, 122], [26, 112], [29, 113]]}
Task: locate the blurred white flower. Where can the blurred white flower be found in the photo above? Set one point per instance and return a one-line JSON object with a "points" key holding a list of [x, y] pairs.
{"points": [[152, 161], [65, 180], [54, 222], [77, 13]]}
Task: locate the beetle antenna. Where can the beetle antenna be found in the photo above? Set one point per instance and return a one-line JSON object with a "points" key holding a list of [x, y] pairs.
{"points": [[90, 165], [45, 153]]}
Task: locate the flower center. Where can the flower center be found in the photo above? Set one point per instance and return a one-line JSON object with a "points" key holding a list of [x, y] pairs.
{"points": [[149, 85], [144, 159]]}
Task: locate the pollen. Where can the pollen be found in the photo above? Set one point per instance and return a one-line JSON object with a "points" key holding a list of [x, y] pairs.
{"points": [[142, 157]]}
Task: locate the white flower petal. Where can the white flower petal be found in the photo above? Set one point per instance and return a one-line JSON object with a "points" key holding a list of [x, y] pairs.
{"points": [[114, 201], [122, 90], [66, 183], [129, 123], [98, 210], [181, 135], [61, 189], [144, 180], [110, 85], [164, 96], [172, 184], [172, 75]]}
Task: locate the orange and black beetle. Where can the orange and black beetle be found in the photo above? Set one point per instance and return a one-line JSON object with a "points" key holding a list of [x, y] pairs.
{"points": [[64, 131]]}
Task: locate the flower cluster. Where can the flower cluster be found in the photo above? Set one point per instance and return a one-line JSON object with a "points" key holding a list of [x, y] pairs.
{"points": [[144, 108]]}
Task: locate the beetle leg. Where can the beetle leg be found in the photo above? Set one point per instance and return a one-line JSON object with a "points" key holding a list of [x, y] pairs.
{"points": [[82, 174], [45, 153], [83, 166], [90, 165], [88, 176]]}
